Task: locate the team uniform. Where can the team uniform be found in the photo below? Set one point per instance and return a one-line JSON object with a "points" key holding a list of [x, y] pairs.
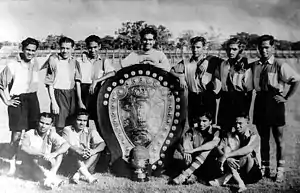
{"points": [[248, 174], [62, 74], [237, 85], [201, 86], [46, 144], [86, 138], [269, 80], [22, 80], [158, 57], [192, 139], [91, 71]]}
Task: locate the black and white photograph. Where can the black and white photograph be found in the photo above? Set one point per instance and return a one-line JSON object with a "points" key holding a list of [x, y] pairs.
{"points": [[156, 96]]}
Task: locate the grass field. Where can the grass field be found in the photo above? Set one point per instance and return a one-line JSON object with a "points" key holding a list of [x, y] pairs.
{"points": [[110, 183]]}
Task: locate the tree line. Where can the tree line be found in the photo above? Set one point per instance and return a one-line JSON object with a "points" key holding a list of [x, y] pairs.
{"points": [[127, 37]]}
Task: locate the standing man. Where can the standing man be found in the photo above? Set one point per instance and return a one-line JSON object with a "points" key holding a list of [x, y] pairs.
{"points": [[43, 152], [94, 70], [18, 90], [62, 80], [270, 76], [197, 77], [148, 55], [237, 85], [86, 146]]}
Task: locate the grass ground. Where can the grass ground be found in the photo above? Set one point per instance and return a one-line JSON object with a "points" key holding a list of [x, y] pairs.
{"points": [[109, 183]]}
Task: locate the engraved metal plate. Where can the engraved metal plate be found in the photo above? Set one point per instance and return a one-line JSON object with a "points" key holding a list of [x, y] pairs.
{"points": [[141, 105]]}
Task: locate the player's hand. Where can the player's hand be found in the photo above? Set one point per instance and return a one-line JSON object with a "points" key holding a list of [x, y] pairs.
{"points": [[147, 62], [80, 152], [233, 163], [280, 99], [54, 108], [182, 82], [87, 153], [187, 157], [81, 105], [14, 102], [92, 88], [50, 156]]}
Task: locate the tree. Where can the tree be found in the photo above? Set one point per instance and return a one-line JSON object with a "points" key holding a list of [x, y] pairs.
{"points": [[283, 45], [51, 42], [248, 39], [211, 35], [163, 36], [80, 45], [129, 35], [107, 42], [185, 38], [296, 45]]}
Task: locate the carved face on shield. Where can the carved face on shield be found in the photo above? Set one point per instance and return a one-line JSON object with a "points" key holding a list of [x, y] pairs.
{"points": [[138, 108]]}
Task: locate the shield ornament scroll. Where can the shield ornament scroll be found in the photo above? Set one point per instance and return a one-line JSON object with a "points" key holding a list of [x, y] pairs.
{"points": [[141, 106]]}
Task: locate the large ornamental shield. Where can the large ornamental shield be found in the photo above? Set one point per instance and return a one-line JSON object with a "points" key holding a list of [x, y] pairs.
{"points": [[141, 106]]}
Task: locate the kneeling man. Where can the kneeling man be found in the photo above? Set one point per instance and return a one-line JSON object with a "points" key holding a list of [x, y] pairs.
{"points": [[196, 145], [43, 151], [240, 155], [86, 145]]}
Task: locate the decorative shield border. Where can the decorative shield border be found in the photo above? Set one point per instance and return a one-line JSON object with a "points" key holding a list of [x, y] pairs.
{"points": [[108, 120]]}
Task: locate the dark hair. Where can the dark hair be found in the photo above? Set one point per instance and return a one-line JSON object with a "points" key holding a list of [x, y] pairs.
{"points": [[197, 39], [82, 112], [206, 114], [148, 30], [242, 115], [65, 39], [92, 38], [28, 41], [235, 40], [265, 37], [47, 115]]}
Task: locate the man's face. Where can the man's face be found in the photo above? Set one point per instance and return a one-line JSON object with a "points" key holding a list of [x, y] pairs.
{"points": [[66, 50], [29, 52], [241, 123], [198, 49], [148, 42], [233, 51], [266, 50], [81, 122], [93, 48], [204, 123], [45, 124]]}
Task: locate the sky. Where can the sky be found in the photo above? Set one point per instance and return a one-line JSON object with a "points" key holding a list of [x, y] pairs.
{"points": [[80, 18]]}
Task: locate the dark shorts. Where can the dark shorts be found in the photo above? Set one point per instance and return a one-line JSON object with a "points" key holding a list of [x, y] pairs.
{"points": [[89, 100], [199, 103], [231, 105], [26, 114], [209, 170], [67, 106], [70, 163], [253, 175], [267, 111]]}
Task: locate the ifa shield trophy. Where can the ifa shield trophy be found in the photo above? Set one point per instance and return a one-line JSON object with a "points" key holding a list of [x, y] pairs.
{"points": [[140, 114]]}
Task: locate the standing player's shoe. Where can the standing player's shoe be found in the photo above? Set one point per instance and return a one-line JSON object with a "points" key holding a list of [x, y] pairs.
{"points": [[279, 175], [266, 171]]}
